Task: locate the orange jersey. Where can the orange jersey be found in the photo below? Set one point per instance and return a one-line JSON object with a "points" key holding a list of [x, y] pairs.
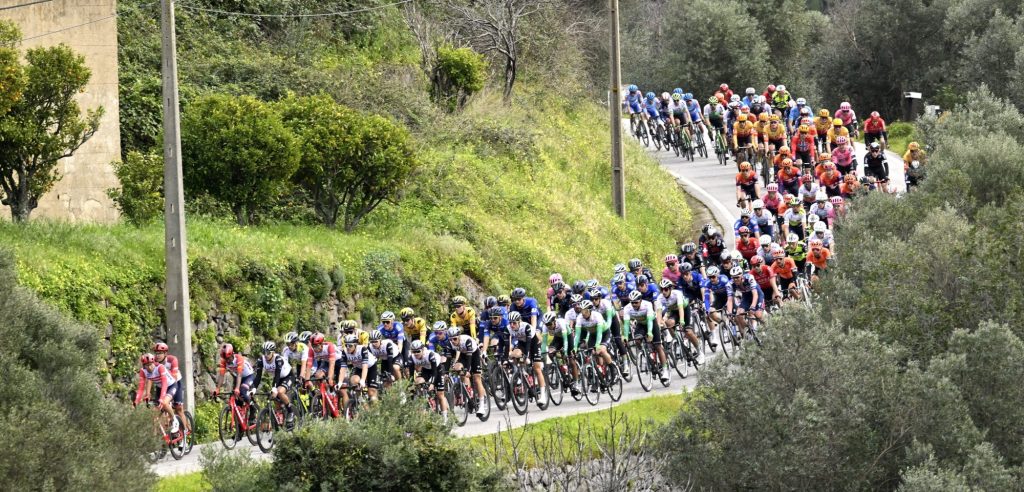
{"points": [[779, 133], [822, 124], [827, 180], [785, 268], [819, 259], [749, 179], [744, 131]]}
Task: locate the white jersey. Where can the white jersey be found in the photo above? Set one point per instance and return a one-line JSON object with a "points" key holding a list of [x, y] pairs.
{"points": [[591, 323], [570, 317], [361, 356], [386, 350], [427, 358], [270, 366], [672, 301], [640, 313], [466, 344]]}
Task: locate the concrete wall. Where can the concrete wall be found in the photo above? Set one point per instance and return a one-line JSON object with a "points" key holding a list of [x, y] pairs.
{"points": [[80, 196]]}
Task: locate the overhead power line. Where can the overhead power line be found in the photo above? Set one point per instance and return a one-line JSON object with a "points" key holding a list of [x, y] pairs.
{"points": [[25, 4], [318, 14], [76, 26]]}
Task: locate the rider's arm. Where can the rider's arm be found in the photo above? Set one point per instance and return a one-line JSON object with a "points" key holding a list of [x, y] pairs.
{"points": [[278, 369], [650, 323], [472, 324], [142, 386], [259, 375]]}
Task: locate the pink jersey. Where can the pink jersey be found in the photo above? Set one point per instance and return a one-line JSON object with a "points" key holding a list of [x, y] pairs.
{"points": [[159, 375], [842, 156], [846, 116], [673, 276]]}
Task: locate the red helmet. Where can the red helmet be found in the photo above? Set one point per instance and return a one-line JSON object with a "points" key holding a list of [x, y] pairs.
{"points": [[147, 359], [724, 87], [226, 350], [317, 339], [756, 260], [159, 347], [771, 87], [744, 230], [807, 178]]}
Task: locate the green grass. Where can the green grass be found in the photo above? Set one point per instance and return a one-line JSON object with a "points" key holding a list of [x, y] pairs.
{"points": [[584, 433], [189, 482], [900, 135]]}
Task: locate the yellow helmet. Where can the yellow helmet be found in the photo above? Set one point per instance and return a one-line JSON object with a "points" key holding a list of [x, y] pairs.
{"points": [[763, 116], [776, 117], [913, 146], [745, 166], [823, 113], [784, 150], [406, 313], [804, 129], [742, 117], [837, 122]]}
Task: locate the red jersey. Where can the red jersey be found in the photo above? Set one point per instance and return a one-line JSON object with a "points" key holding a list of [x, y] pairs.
{"points": [[748, 249], [159, 375], [749, 179], [763, 274], [874, 125]]}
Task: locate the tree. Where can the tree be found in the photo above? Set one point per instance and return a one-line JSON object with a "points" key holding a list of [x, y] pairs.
{"points": [[12, 76], [43, 126], [458, 73], [60, 431], [351, 162], [237, 150], [495, 26], [141, 195]]}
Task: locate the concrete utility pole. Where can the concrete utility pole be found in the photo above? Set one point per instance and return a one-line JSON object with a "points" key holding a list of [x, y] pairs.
{"points": [[179, 319], [618, 178]]}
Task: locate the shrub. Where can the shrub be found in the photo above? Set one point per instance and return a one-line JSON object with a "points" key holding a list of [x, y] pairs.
{"points": [[458, 73], [141, 195]]}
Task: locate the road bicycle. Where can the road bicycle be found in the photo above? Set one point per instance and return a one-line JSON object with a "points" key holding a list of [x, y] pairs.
{"points": [[523, 386], [177, 443], [698, 137], [323, 400], [648, 365], [237, 420], [464, 398], [271, 419], [721, 151], [728, 336], [558, 375], [598, 378]]}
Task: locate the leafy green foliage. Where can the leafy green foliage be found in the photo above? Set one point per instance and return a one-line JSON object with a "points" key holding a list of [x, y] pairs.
{"points": [[141, 195], [458, 74], [61, 433], [43, 126], [237, 150], [12, 76]]}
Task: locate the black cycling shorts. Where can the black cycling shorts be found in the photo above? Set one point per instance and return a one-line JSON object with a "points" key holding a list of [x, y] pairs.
{"points": [[428, 375]]}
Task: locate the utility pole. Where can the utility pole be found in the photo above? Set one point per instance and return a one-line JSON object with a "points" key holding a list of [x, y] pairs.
{"points": [[618, 178], [179, 319]]}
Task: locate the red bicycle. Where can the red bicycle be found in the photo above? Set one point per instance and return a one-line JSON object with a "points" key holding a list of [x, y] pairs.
{"points": [[237, 420], [323, 402], [174, 442]]}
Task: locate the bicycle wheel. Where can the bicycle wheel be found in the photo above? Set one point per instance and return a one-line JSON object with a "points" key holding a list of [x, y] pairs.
{"points": [[519, 392], [752, 327], [679, 359], [591, 384], [805, 291], [725, 339], [460, 400], [702, 146], [644, 371], [250, 434], [352, 408], [298, 406], [627, 366], [227, 428], [644, 137], [656, 137], [190, 438], [723, 157], [614, 382], [676, 147], [688, 147], [316, 407], [177, 449], [554, 379], [266, 424], [498, 388]]}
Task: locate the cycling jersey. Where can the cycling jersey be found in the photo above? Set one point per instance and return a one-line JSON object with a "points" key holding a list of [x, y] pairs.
{"points": [[237, 364], [780, 101], [387, 350], [715, 114], [694, 109], [746, 284], [359, 357], [653, 109], [641, 314], [158, 376], [524, 333], [466, 320], [826, 238], [678, 109], [763, 275], [426, 359], [819, 259], [754, 231], [634, 100], [808, 191], [415, 328], [171, 363], [277, 365], [466, 344], [673, 275], [803, 144], [848, 116], [784, 267], [833, 134], [794, 114], [395, 333], [748, 178], [594, 325], [773, 199], [822, 210], [672, 301], [327, 352], [747, 248], [362, 337], [842, 156], [778, 133], [796, 251], [302, 354], [528, 310], [720, 287], [795, 217], [874, 125], [822, 124], [744, 130]]}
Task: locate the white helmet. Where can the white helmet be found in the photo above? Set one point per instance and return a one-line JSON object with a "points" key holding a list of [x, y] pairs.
{"points": [[735, 98], [820, 227], [792, 238], [762, 99], [801, 101], [737, 256], [813, 218], [780, 88], [664, 95], [765, 240], [736, 271], [820, 196], [750, 90], [758, 203]]}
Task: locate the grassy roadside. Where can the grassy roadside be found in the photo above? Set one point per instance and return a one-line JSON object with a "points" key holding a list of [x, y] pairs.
{"points": [[189, 482]]}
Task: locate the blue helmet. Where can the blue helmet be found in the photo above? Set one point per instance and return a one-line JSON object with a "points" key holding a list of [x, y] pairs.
{"points": [[650, 96], [633, 88], [677, 91], [688, 97]]}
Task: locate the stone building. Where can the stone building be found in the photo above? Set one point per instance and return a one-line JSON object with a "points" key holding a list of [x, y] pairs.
{"points": [[89, 27]]}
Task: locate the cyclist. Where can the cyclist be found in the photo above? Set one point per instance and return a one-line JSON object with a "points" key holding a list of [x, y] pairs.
{"points": [[652, 108], [760, 106], [671, 304], [765, 250], [154, 376], [780, 100], [359, 358], [772, 199], [802, 146], [692, 285], [498, 326], [745, 221], [874, 129], [819, 256], [821, 209], [717, 293], [714, 248], [746, 244], [823, 234], [561, 333], [822, 124], [829, 180], [765, 277], [634, 101], [282, 381], [351, 327], [847, 117], [526, 345], [678, 116], [525, 306], [297, 351], [763, 219], [751, 298], [240, 369], [849, 187], [843, 156], [714, 117], [389, 355], [769, 91], [171, 363], [784, 269], [796, 250], [913, 163], [468, 353], [613, 320], [744, 135], [808, 190], [463, 316], [837, 130], [645, 288], [640, 312], [789, 177], [726, 91], [774, 134], [415, 328], [694, 121], [561, 302], [782, 154], [391, 329], [325, 360], [672, 270], [429, 365], [875, 164], [801, 110], [747, 187], [689, 251], [794, 219]]}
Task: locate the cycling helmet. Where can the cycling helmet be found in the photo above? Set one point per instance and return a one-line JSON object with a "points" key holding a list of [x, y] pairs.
{"points": [[777, 251], [823, 113], [772, 187], [458, 301], [147, 359], [792, 238], [635, 296], [712, 100], [726, 255], [439, 326], [816, 243], [635, 263], [317, 338], [579, 287], [750, 91], [713, 271], [495, 312], [814, 220], [416, 346], [801, 101], [159, 347], [549, 317], [555, 277], [585, 305], [650, 96], [291, 337], [304, 336], [687, 97], [807, 178], [785, 163], [515, 317], [686, 267], [820, 196], [633, 88], [376, 336], [745, 109], [836, 200], [783, 150], [735, 98], [620, 268], [664, 95], [389, 316], [756, 260], [712, 231], [677, 97], [227, 350], [269, 347], [677, 90], [841, 140], [830, 166], [763, 117], [744, 231], [724, 87], [805, 129], [737, 256], [492, 301], [454, 332], [504, 300], [776, 118], [844, 106], [734, 104], [765, 240], [745, 213], [913, 146], [771, 87], [592, 283], [759, 203], [351, 340], [820, 227], [349, 325], [689, 248], [745, 166], [641, 279], [518, 293], [781, 88], [737, 271], [874, 146], [596, 293], [804, 111], [671, 258], [576, 298], [619, 277], [837, 122], [556, 288]]}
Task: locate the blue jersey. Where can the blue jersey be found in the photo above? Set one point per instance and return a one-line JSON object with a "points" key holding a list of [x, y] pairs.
{"points": [[691, 289], [493, 328], [794, 113], [755, 231], [635, 100], [694, 108], [652, 109], [528, 309], [720, 285], [649, 293], [440, 346], [746, 285], [395, 334], [622, 294]]}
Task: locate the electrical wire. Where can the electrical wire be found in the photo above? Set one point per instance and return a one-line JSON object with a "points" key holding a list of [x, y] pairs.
{"points": [[79, 25], [25, 5], [320, 14]]}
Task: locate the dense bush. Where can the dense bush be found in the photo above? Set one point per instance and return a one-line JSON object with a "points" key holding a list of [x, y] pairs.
{"points": [[140, 199], [458, 74], [60, 432]]}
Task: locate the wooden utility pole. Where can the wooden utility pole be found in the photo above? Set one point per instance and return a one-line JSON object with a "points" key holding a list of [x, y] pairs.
{"points": [[618, 178], [179, 319]]}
